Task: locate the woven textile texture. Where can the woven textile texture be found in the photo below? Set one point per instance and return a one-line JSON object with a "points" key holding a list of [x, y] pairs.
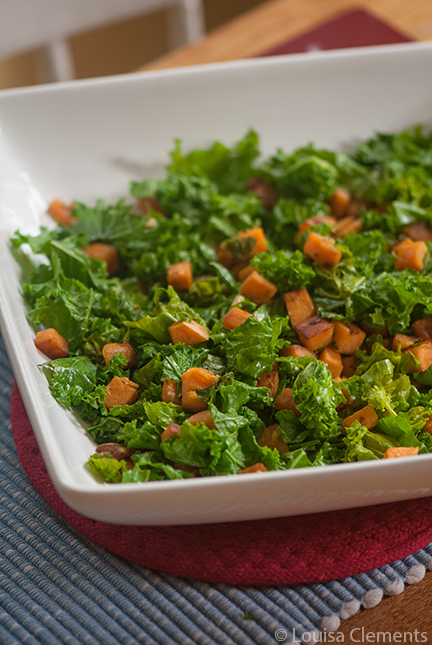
{"points": [[56, 587]]}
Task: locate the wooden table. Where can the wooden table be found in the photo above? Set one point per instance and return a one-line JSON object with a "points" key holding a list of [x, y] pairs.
{"points": [[252, 33]]}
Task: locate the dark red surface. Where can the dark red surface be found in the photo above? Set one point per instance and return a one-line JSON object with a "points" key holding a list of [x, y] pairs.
{"points": [[286, 551], [353, 29]]}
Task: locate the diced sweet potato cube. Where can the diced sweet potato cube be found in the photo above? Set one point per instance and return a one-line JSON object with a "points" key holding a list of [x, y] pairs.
{"points": [[284, 401], [410, 255], [339, 202], [347, 337], [347, 225], [332, 359], [196, 378], [272, 439], [203, 417], [322, 250], [349, 401], [52, 344], [104, 252], [112, 349], [423, 328], [179, 276], [257, 288], [244, 272], [366, 416], [264, 191], [120, 391], [148, 204], [400, 451], [235, 317], [270, 379], [239, 267], [299, 306], [423, 354], [401, 342], [428, 425], [315, 332], [348, 366], [296, 351], [224, 255], [169, 392], [188, 333], [256, 468], [316, 221], [419, 231], [116, 450], [172, 430], [61, 213], [258, 235]]}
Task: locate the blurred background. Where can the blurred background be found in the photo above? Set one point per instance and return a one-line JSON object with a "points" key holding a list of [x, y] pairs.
{"points": [[119, 47]]}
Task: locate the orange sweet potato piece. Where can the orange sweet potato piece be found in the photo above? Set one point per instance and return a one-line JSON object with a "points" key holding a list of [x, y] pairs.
{"points": [[410, 255], [257, 288], [428, 425], [423, 354], [203, 417], [332, 360], [366, 416], [235, 317], [401, 342], [347, 225], [104, 252], [315, 221], [348, 366], [272, 439], [339, 202], [244, 272], [120, 391], [322, 250], [116, 450], [270, 379], [284, 401], [171, 430], [258, 235], [419, 231], [52, 344], [169, 392], [239, 267], [179, 276], [296, 351], [299, 306], [188, 333], [347, 337], [111, 349], [224, 255], [423, 328], [400, 451], [61, 213], [148, 204], [264, 191], [256, 468], [315, 332], [196, 378]]}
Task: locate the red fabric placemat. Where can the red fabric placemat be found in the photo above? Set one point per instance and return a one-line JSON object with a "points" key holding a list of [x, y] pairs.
{"points": [[282, 551]]}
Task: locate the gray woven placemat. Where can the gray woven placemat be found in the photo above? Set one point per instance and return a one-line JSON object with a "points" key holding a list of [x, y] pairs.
{"points": [[56, 587]]}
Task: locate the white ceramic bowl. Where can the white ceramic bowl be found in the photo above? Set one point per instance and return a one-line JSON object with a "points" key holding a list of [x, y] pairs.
{"points": [[86, 140]]}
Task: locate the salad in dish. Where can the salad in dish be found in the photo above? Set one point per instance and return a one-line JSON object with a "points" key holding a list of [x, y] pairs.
{"points": [[243, 314]]}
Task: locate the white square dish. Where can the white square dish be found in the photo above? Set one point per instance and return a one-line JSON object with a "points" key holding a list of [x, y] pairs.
{"points": [[86, 140]]}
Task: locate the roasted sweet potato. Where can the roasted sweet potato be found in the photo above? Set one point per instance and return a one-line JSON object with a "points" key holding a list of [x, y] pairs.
{"points": [[347, 225], [322, 250], [315, 221], [419, 231], [224, 255], [410, 255], [366, 416], [428, 425], [239, 267], [299, 306], [256, 468], [348, 366], [332, 359], [196, 378], [169, 392], [172, 429], [112, 349], [270, 379], [244, 272], [423, 354], [315, 332], [104, 252], [339, 202], [116, 450], [179, 276], [120, 391], [61, 213], [257, 233], [235, 317], [296, 351], [401, 342], [347, 337], [272, 439], [264, 191], [51, 343], [203, 417], [257, 288], [148, 204], [423, 328], [284, 401], [188, 333], [400, 451]]}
